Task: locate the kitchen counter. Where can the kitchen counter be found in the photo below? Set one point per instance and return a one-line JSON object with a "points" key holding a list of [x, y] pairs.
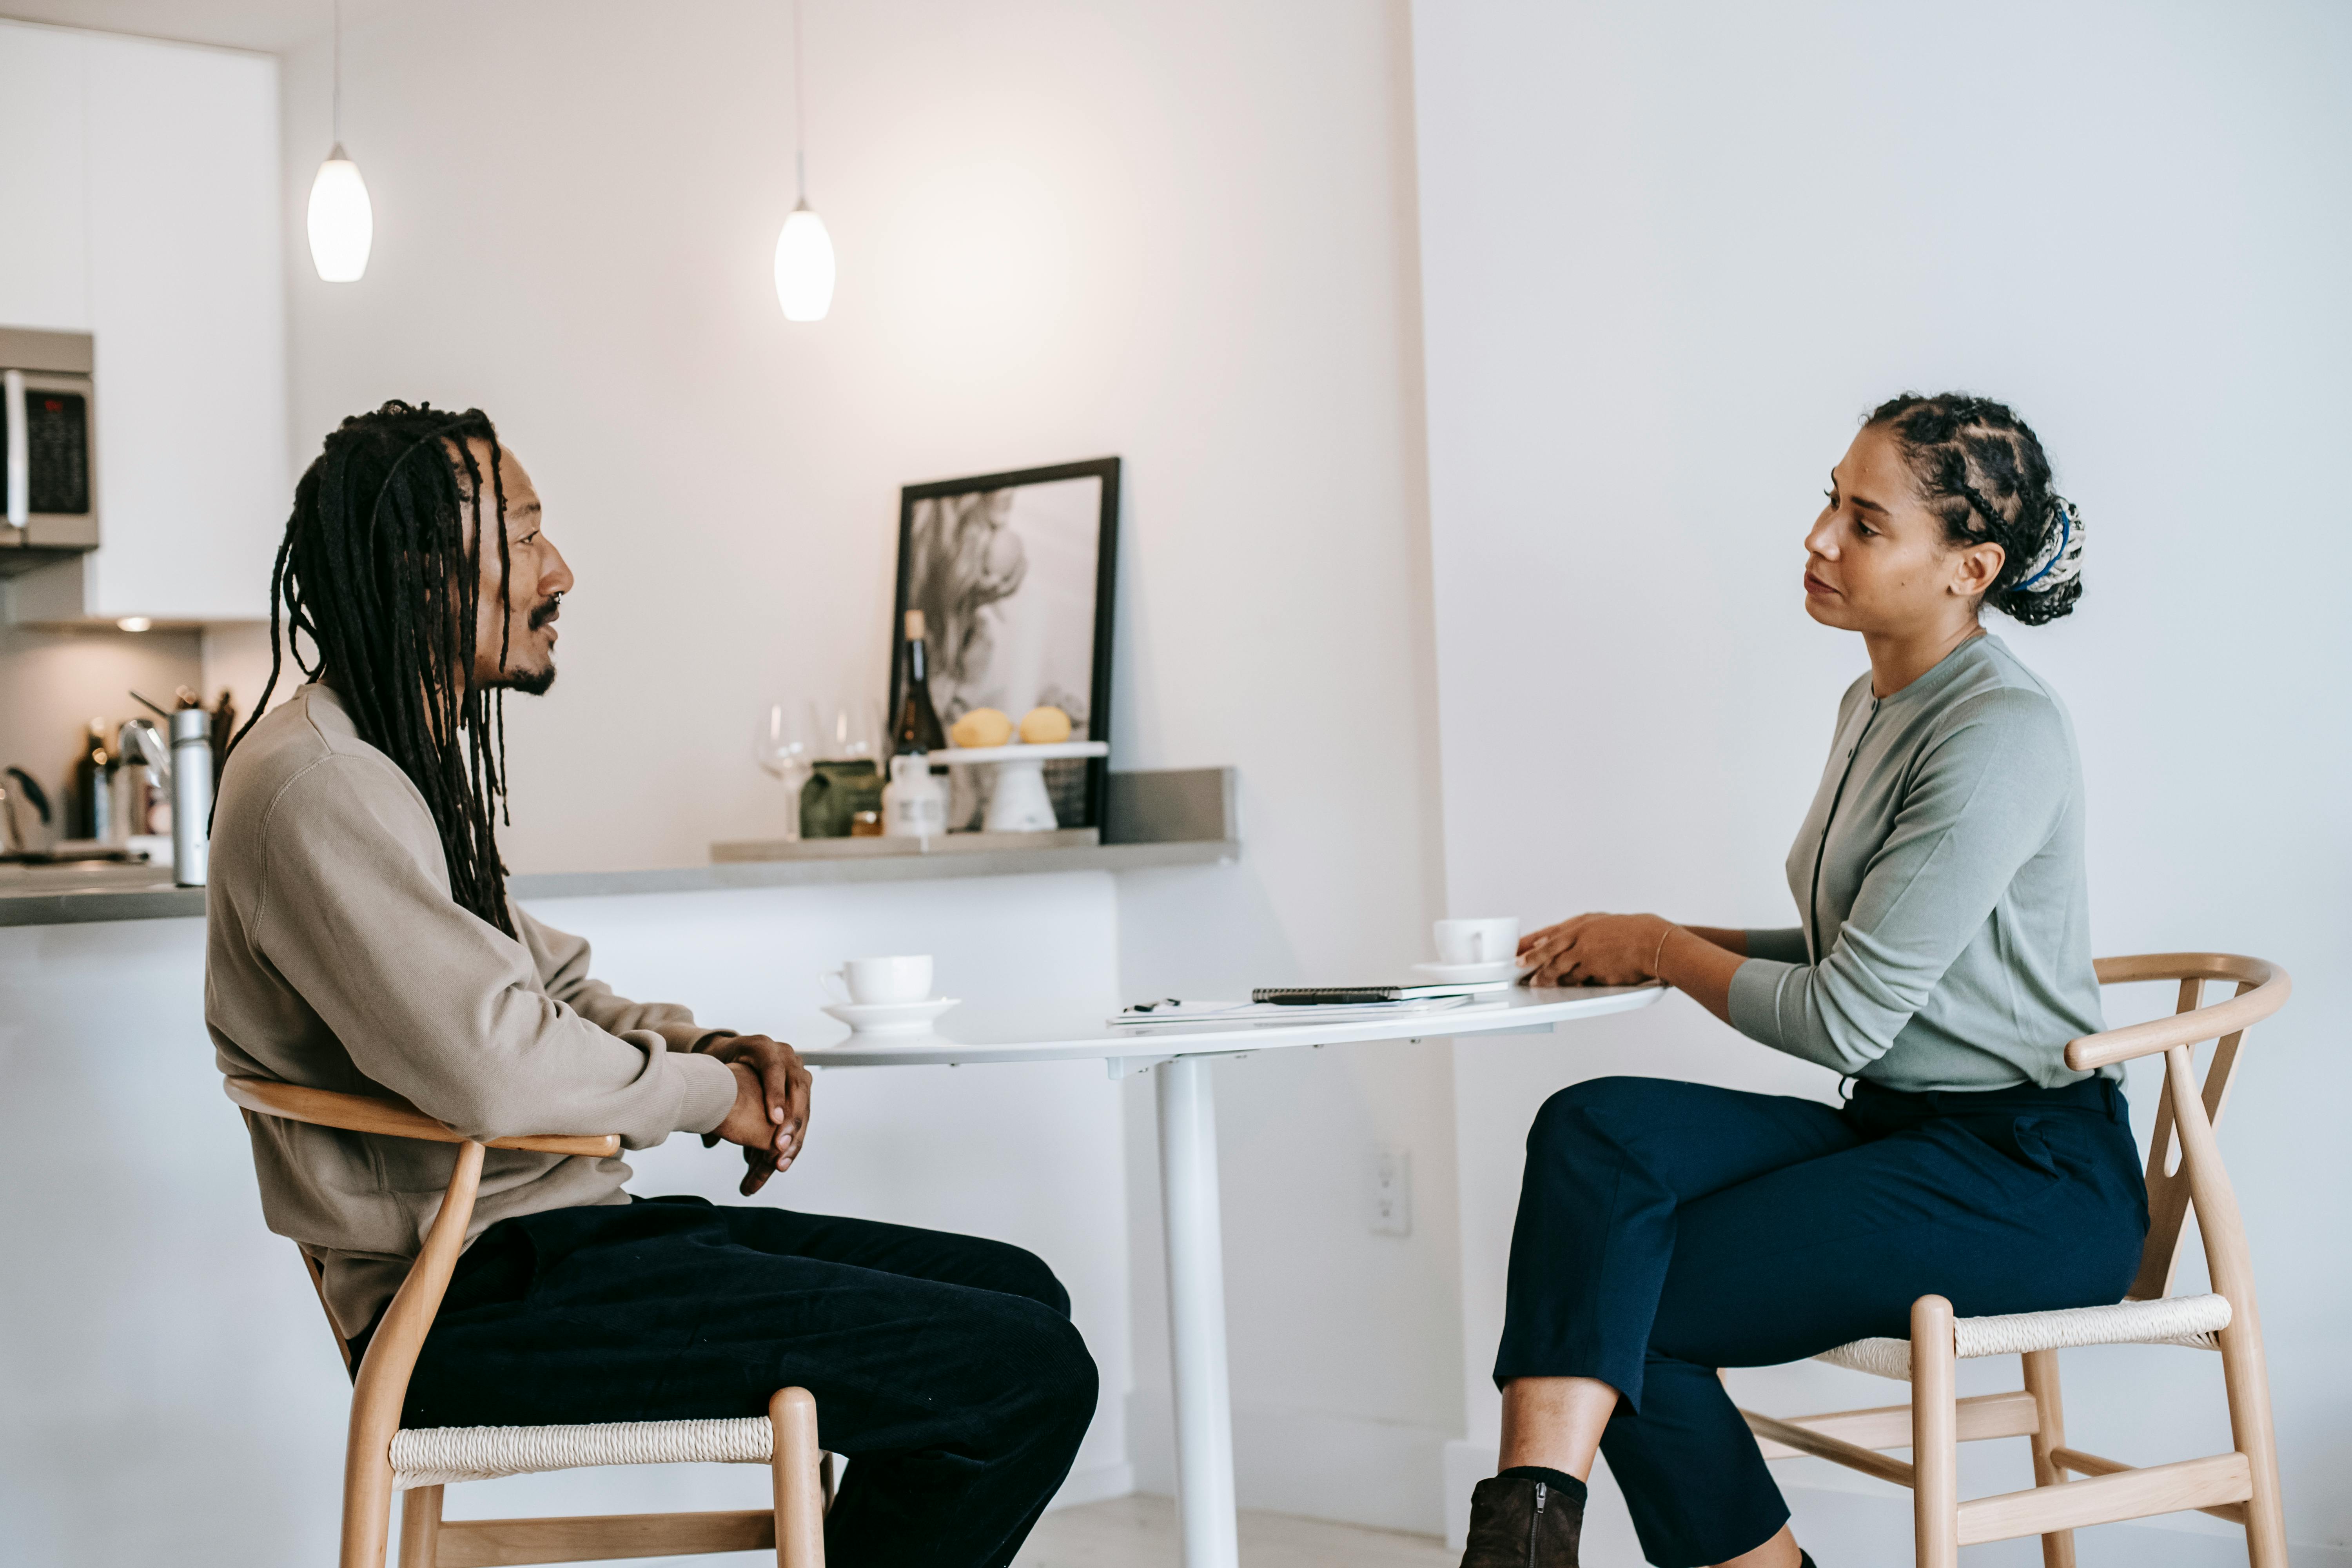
{"points": [[1163, 817]]}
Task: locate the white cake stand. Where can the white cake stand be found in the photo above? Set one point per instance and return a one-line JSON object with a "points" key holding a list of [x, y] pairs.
{"points": [[1018, 802]]}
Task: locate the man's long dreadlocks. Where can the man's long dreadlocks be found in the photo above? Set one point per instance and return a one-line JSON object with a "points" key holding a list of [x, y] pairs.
{"points": [[381, 571]]}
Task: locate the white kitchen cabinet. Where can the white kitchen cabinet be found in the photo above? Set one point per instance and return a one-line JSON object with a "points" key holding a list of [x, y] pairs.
{"points": [[44, 271], [172, 224]]}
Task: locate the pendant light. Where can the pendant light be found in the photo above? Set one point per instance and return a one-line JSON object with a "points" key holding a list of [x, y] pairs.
{"points": [[803, 250], [343, 224]]}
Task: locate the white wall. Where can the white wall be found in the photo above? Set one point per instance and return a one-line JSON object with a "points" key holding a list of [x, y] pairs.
{"points": [[1671, 255], [1179, 233]]}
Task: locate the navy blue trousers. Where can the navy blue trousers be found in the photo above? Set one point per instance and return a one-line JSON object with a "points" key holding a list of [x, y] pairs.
{"points": [[944, 1366], [1667, 1229]]}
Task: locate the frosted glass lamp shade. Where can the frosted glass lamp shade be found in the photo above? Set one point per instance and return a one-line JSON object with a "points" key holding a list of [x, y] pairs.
{"points": [[342, 223], [804, 266]]}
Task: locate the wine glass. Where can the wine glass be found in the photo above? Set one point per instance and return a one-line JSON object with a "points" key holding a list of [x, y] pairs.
{"points": [[851, 730], [784, 743]]}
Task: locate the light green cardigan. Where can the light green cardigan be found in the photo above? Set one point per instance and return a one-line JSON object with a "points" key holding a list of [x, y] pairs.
{"points": [[1947, 935]]}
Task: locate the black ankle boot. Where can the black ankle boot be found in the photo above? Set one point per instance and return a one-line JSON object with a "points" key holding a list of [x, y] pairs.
{"points": [[1516, 1523]]}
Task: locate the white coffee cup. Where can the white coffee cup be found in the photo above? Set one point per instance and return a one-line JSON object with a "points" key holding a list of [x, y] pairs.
{"points": [[1477, 942], [867, 981]]}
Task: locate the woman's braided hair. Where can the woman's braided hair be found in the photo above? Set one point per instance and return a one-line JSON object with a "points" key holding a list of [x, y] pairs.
{"points": [[1981, 469], [381, 573]]}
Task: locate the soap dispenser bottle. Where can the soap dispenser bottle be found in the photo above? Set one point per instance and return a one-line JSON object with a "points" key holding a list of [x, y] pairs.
{"points": [[914, 804]]}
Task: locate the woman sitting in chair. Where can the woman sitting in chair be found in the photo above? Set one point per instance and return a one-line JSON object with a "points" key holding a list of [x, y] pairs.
{"points": [[1667, 1229]]}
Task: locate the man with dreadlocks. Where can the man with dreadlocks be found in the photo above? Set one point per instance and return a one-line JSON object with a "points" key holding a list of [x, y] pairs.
{"points": [[361, 940]]}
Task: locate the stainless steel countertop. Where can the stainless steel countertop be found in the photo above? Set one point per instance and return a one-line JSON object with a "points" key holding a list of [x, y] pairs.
{"points": [[115, 875], [146, 893], [1183, 817], [52, 895]]}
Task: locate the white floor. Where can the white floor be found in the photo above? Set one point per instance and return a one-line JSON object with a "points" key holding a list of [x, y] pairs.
{"points": [[1141, 1533], [1841, 1528]]}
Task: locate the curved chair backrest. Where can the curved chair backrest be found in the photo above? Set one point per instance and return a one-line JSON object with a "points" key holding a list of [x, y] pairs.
{"points": [[2262, 988], [380, 1384], [389, 1118]]}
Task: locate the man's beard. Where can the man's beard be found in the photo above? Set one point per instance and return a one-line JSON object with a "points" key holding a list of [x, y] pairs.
{"points": [[533, 682]]}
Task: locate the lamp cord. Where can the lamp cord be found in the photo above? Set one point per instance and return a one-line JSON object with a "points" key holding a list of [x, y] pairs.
{"points": [[337, 139], [800, 111]]}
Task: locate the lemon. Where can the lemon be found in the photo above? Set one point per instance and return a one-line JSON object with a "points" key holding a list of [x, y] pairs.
{"points": [[1045, 726], [981, 727]]}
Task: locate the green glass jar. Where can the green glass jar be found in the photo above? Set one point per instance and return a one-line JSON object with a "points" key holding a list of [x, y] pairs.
{"points": [[835, 794]]}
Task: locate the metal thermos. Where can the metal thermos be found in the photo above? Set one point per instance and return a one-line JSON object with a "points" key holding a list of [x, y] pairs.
{"points": [[192, 795]]}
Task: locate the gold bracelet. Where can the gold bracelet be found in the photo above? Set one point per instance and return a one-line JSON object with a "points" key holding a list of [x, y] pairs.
{"points": [[1661, 952]]}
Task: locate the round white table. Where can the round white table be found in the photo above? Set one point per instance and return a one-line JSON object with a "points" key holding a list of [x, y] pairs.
{"points": [[1180, 1053]]}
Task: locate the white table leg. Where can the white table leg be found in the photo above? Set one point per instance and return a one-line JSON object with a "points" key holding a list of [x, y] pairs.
{"points": [[1196, 1313]]}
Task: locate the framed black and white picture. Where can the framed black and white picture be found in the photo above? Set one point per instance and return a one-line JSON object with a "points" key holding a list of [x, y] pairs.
{"points": [[1013, 574]]}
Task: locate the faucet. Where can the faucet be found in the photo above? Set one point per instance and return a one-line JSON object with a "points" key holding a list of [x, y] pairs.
{"points": [[137, 738]]}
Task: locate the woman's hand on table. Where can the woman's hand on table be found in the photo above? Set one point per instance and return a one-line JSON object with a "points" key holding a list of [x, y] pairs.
{"points": [[1627, 949], [771, 1115], [1595, 950]]}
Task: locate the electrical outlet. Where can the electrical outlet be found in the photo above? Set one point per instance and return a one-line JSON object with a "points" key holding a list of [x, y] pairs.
{"points": [[1392, 1193]]}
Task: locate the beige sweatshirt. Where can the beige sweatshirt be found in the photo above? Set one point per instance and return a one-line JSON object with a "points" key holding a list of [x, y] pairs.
{"points": [[335, 958]]}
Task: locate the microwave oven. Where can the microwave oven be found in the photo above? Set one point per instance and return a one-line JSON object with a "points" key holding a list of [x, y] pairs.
{"points": [[46, 404]]}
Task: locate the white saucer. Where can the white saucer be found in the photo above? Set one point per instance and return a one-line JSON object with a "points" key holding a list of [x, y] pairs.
{"points": [[890, 1017], [1472, 974]]}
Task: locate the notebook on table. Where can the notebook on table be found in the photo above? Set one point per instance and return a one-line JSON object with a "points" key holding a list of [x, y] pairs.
{"points": [[1357, 1007], [1357, 996]]}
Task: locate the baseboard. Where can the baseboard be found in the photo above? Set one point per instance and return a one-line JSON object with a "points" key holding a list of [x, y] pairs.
{"points": [[1318, 1466], [1462, 1466], [1849, 1524], [1097, 1483]]}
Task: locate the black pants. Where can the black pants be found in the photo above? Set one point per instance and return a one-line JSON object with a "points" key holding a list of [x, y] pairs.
{"points": [[1667, 1229], [944, 1366]]}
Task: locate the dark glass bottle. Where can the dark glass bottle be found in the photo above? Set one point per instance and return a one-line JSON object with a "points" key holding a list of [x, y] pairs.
{"points": [[94, 787], [918, 729]]}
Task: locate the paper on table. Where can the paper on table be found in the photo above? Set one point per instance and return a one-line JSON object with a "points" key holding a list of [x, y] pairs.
{"points": [[1175, 1012]]}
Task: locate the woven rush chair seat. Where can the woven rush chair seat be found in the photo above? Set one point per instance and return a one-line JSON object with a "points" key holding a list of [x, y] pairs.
{"points": [[442, 1456], [2191, 1321]]}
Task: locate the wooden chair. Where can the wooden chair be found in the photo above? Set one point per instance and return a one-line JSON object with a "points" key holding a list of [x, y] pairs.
{"points": [[2241, 1486], [381, 1457]]}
